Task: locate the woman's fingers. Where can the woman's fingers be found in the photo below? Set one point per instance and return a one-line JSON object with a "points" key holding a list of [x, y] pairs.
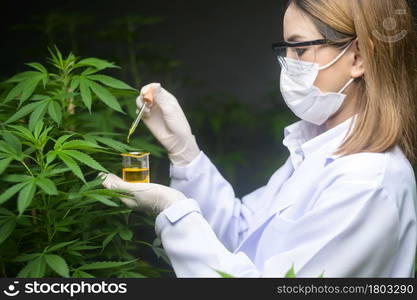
{"points": [[139, 103], [149, 91], [113, 181], [165, 101], [129, 202]]}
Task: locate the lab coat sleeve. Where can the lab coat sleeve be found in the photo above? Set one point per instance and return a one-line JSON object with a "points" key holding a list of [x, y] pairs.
{"points": [[352, 231], [192, 246], [229, 217]]}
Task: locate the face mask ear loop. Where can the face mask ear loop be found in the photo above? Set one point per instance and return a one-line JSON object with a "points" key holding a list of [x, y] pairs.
{"points": [[346, 85], [337, 57]]}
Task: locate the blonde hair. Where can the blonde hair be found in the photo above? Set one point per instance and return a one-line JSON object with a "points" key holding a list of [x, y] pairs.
{"points": [[387, 92]]}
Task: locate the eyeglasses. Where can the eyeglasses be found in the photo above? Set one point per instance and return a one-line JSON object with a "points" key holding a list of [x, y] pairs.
{"points": [[303, 54]]}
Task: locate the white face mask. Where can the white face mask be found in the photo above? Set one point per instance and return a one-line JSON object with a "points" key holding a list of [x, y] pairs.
{"points": [[306, 100]]}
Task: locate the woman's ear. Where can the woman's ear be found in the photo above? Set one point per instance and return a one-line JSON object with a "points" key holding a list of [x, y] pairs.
{"points": [[358, 68]]}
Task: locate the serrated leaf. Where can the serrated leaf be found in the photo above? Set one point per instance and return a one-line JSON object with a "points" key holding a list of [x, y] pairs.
{"points": [[35, 268], [6, 148], [26, 257], [5, 212], [75, 82], [23, 132], [24, 88], [50, 157], [93, 183], [126, 235], [59, 246], [17, 178], [57, 171], [85, 93], [108, 239], [104, 265], [37, 129], [47, 185], [58, 264], [99, 64], [224, 274], [63, 228], [11, 191], [82, 274], [84, 247], [72, 165], [24, 272], [40, 97], [12, 140], [74, 253], [105, 96], [44, 135], [106, 192], [38, 267], [37, 115], [6, 229], [79, 145], [26, 196], [61, 140], [29, 87], [4, 163], [38, 67], [128, 274], [21, 76], [55, 111], [119, 146], [111, 82], [290, 273], [25, 110], [89, 71], [103, 200], [85, 159]]}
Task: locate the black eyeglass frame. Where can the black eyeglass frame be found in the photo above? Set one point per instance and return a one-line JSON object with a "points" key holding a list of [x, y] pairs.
{"points": [[277, 45]]}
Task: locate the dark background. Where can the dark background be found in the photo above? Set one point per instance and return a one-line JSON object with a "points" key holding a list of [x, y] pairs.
{"points": [[219, 49], [214, 56], [223, 44]]}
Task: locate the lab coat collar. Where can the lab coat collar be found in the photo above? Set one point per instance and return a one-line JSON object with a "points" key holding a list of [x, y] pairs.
{"points": [[303, 138]]}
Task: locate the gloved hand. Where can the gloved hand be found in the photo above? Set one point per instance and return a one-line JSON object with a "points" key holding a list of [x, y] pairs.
{"points": [[150, 197], [167, 122]]}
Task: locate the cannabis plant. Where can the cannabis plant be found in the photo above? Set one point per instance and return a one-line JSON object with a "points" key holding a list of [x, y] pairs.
{"points": [[56, 219]]}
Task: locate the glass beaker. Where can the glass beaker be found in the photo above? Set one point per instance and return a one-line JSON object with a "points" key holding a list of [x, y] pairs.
{"points": [[135, 167]]}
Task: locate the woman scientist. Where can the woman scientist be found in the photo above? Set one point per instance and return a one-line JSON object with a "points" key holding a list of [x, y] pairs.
{"points": [[344, 202]]}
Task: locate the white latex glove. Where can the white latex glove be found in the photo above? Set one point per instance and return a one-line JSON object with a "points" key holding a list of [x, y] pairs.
{"points": [[150, 197], [167, 122]]}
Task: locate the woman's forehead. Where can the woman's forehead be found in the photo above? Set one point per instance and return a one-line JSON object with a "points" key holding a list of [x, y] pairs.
{"points": [[298, 26]]}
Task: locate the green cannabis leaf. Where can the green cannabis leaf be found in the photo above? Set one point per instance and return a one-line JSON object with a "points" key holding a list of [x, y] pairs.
{"points": [[56, 218]]}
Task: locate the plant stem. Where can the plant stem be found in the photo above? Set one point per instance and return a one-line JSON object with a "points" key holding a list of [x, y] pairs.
{"points": [[34, 221], [71, 106], [39, 161], [27, 168], [69, 209]]}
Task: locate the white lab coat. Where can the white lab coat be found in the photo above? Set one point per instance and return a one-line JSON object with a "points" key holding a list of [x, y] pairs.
{"points": [[352, 216]]}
